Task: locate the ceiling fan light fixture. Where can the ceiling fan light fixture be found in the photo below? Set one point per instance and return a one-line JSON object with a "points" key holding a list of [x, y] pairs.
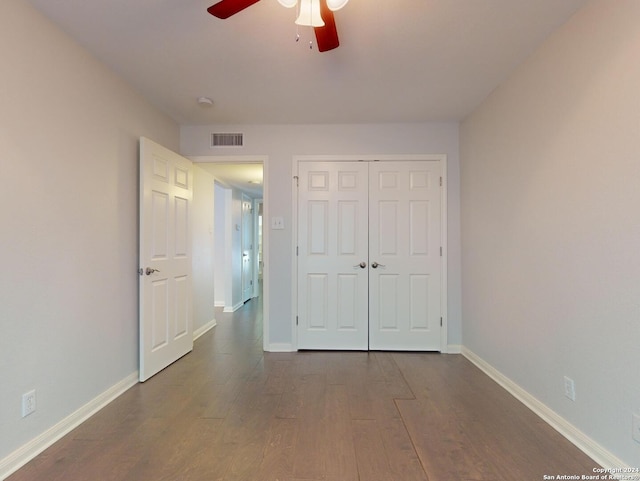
{"points": [[336, 4], [310, 14], [288, 3]]}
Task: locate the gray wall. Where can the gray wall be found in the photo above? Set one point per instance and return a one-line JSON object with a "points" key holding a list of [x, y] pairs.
{"points": [[281, 142], [69, 132], [203, 258], [551, 226]]}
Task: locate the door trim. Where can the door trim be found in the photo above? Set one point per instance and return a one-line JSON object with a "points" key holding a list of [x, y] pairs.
{"points": [[442, 158]]}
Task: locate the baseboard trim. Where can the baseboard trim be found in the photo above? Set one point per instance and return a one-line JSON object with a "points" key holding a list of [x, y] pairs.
{"points": [[595, 451], [30, 450], [233, 308], [204, 329], [453, 349], [283, 347]]}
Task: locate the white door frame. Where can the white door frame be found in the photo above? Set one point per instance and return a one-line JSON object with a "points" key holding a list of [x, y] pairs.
{"points": [[253, 159], [442, 158]]}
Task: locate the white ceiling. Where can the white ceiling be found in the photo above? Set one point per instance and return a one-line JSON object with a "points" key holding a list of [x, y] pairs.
{"points": [[399, 60], [246, 177]]}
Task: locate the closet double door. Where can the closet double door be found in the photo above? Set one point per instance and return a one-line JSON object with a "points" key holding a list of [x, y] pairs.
{"points": [[369, 255]]}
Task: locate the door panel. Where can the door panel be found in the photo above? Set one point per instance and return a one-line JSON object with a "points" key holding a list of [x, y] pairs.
{"points": [[385, 303], [419, 295], [166, 331], [332, 287], [160, 314], [404, 290]]}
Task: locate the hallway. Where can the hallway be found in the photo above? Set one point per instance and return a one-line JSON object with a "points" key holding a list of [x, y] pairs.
{"points": [[227, 411]]}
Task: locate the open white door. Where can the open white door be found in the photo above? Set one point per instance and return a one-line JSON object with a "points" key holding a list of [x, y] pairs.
{"points": [[247, 248], [166, 191]]}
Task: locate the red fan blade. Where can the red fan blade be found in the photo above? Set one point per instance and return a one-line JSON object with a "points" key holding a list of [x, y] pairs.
{"points": [[226, 8], [327, 36]]}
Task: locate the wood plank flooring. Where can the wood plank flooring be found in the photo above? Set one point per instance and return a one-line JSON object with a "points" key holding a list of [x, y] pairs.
{"points": [[229, 412]]}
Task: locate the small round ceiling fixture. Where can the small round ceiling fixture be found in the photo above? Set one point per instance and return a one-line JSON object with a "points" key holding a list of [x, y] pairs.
{"points": [[205, 102]]}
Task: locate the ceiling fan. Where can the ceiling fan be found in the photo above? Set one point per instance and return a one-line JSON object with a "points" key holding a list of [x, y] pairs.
{"points": [[314, 13]]}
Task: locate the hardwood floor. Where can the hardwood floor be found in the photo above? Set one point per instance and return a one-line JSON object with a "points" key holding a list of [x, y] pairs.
{"points": [[227, 411]]}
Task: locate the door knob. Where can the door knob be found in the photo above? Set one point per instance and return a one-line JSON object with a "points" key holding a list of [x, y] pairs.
{"points": [[148, 271], [375, 265], [362, 265]]}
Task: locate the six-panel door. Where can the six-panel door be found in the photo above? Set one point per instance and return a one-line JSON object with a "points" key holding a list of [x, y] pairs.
{"points": [[166, 190], [404, 244], [369, 261], [332, 243]]}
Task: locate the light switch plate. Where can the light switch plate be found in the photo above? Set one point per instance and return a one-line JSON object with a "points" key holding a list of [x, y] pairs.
{"points": [[277, 223]]}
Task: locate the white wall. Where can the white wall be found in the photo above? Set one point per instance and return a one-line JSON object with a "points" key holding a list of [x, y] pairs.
{"points": [[203, 248], [281, 142], [220, 233], [228, 248], [551, 224], [69, 132]]}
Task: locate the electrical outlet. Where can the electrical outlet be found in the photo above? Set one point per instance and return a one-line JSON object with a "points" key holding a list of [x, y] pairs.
{"points": [[636, 427], [28, 403], [569, 388]]}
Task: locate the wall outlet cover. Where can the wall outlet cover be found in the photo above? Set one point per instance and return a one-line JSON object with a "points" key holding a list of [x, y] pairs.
{"points": [[28, 403], [569, 388]]}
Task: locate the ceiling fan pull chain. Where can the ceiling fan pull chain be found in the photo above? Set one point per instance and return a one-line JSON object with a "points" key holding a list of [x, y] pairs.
{"points": [[297, 26]]}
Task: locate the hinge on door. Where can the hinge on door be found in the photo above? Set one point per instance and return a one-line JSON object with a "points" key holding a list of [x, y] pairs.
{"points": [[297, 180], [440, 251], [296, 250], [440, 181], [296, 320], [440, 322]]}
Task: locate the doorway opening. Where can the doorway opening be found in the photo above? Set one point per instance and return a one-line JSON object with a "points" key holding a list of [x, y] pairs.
{"points": [[240, 244]]}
